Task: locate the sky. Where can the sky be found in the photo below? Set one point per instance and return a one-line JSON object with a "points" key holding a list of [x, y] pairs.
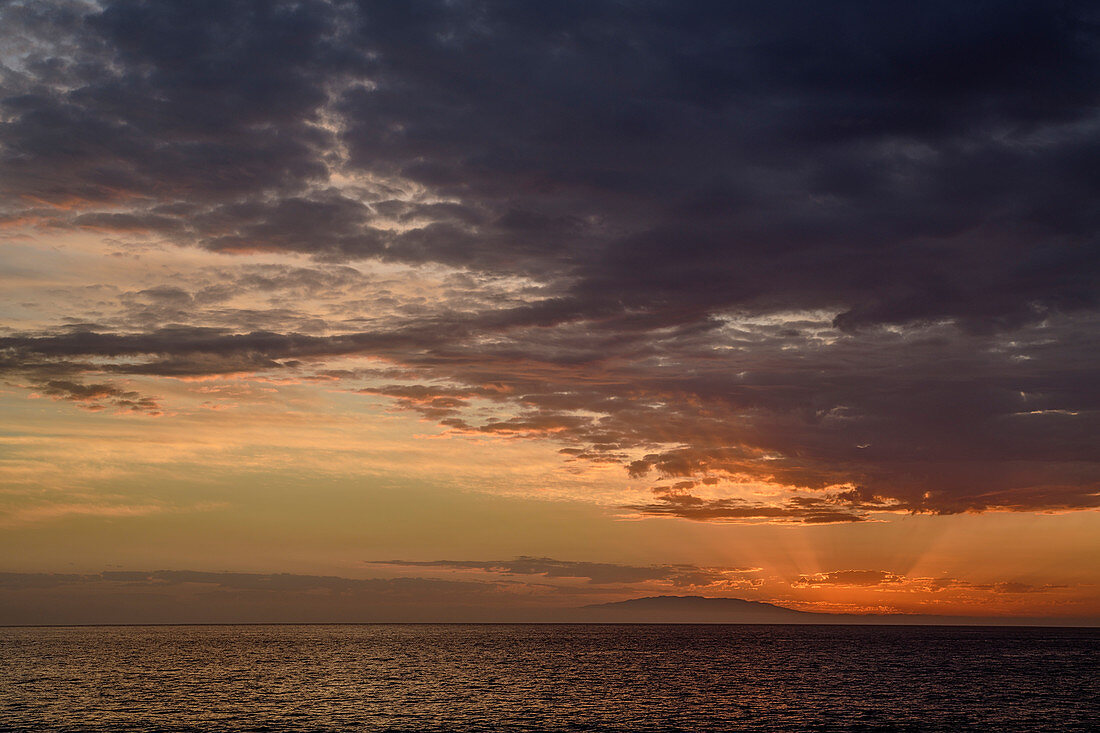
{"points": [[336, 310]]}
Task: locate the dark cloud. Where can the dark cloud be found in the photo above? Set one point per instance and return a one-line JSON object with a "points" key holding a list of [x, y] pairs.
{"points": [[593, 572], [435, 403], [189, 340], [892, 162], [100, 396], [158, 103], [686, 506], [847, 249], [929, 420]]}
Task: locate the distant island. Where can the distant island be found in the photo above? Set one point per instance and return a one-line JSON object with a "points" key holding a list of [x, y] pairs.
{"points": [[698, 609], [703, 610]]}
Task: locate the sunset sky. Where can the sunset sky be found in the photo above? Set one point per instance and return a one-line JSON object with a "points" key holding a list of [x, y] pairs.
{"points": [[341, 311]]}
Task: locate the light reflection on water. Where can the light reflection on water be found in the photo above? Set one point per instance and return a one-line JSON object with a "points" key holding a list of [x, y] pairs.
{"points": [[607, 678]]}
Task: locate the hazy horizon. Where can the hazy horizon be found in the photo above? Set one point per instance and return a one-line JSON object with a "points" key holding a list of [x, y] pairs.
{"points": [[192, 597]]}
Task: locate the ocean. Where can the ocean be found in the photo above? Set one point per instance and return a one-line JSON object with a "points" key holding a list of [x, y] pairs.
{"points": [[548, 678]]}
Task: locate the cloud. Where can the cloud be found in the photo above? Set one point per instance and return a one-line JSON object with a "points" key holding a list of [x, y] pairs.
{"points": [[822, 249], [860, 432], [719, 157], [851, 578], [733, 510], [100, 396], [593, 572], [430, 401], [83, 506], [895, 582]]}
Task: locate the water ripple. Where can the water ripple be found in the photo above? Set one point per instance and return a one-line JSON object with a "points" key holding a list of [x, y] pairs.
{"points": [[547, 678]]}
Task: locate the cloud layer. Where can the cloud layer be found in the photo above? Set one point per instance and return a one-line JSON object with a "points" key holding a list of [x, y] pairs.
{"points": [[592, 572], [799, 264]]}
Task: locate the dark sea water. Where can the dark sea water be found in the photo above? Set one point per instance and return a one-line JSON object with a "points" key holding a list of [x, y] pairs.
{"points": [[561, 678]]}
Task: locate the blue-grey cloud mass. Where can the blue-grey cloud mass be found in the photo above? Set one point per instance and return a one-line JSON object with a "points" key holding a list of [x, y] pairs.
{"points": [[850, 248]]}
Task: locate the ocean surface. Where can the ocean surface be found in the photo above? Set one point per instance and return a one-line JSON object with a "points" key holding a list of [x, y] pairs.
{"points": [[548, 678]]}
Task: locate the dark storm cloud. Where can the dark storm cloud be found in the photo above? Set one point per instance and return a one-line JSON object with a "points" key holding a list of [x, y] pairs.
{"points": [[902, 195], [891, 161], [872, 158], [162, 102]]}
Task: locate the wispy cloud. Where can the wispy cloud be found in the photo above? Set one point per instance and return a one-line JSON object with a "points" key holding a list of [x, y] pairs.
{"points": [[100, 396], [894, 582], [592, 572], [93, 508]]}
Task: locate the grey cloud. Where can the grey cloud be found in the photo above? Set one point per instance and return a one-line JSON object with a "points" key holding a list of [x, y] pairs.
{"points": [[593, 572], [182, 340], [20, 581], [681, 185], [155, 102], [895, 415], [100, 396], [719, 156], [686, 506], [898, 416]]}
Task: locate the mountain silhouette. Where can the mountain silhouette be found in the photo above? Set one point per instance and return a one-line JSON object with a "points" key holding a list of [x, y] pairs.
{"points": [[698, 609], [702, 610]]}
